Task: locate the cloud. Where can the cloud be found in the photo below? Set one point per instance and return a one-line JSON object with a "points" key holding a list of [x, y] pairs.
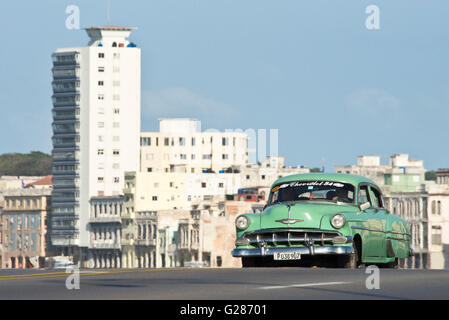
{"points": [[372, 101], [181, 102]]}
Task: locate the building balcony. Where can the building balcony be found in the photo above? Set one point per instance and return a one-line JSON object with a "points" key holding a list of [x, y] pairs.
{"points": [[106, 219], [146, 242], [127, 242], [104, 244]]}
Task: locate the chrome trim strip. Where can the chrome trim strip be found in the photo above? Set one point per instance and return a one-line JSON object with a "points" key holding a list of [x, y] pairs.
{"points": [[289, 221], [401, 233], [393, 238], [368, 229], [259, 252], [291, 230], [377, 230]]}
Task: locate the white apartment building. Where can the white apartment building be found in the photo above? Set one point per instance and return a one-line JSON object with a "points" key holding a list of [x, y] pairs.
{"points": [[370, 167], [180, 146], [152, 191], [438, 217], [96, 128], [265, 173]]}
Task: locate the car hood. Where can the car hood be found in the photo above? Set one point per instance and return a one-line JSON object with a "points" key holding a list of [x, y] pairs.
{"points": [[302, 215]]}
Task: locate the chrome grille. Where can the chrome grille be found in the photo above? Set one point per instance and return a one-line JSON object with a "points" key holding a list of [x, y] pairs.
{"points": [[291, 237]]}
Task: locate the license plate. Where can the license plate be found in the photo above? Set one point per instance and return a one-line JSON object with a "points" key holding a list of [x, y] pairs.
{"points": [[287, 256]]}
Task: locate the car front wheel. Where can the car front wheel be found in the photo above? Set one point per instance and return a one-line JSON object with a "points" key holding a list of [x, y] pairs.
{"points": [[350, 261]]}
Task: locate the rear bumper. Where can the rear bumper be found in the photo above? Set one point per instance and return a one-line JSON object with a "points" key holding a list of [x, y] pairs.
{"points": [[313, 250]]}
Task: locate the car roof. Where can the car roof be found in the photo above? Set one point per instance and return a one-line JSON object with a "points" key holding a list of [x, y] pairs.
{"points": [[340, 177]]}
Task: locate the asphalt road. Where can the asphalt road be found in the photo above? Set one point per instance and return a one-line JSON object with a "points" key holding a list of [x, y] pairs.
{"points": [[226, 284]]}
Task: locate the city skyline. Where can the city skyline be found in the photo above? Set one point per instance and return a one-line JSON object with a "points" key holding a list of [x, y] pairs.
{"points": [[231, 69]]}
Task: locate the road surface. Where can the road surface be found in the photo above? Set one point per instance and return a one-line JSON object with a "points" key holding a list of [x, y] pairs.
{"points": [[226, 284]]}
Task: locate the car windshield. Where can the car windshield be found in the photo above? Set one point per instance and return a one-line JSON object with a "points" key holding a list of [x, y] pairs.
{"points": [[316, 190]]}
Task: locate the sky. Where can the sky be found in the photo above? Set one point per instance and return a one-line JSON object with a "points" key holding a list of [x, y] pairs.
{"points": [[312, 69]]}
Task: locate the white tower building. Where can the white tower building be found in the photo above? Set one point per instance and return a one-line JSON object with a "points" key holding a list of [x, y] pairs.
{"points": [[96, 129]]}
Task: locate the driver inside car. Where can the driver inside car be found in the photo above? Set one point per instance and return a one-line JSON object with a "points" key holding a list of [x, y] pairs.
{"points": [[341, 195]]}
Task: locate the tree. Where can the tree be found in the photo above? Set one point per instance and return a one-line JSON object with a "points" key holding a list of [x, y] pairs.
{"points": [[430, 175], [35, 163]]}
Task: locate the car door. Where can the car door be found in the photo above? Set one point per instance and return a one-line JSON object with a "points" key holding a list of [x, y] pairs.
{"points": [[378, 216], [362, 226]]}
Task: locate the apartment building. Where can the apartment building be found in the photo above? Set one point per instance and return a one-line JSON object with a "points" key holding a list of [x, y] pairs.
{"points": [[181, 146], [24, 221], [96, 129]]}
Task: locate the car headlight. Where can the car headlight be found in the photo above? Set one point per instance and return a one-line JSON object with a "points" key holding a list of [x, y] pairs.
{"points": [[242, 222], [338, 221]]}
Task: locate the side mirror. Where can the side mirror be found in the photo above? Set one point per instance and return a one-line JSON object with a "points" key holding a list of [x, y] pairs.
{"points": [[365, 206]]}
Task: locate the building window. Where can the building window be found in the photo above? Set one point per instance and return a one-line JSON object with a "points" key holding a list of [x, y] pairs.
{"points": [[182, 141], [224, 156], [207, 156], [263, 177], [247, 177], [101, 55], [116, 152], [221, 185], [149, 169], [154, 198], [436, 234], [116, 124], [116, 179], [433, 210], [193, 157], [101, 97], [100, 124], [203, 184], [193, 141], [116, 111], [166, 141], [149, 156], [100, 83], [183, 156], [116, 83], [145, 141], [116, 97], [116, 166], [100, 179], [100, 152], [224, 141], [100, 69], [115, 138]]}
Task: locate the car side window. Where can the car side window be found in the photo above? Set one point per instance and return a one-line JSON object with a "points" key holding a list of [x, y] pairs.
{"points": [[377, 198], [363, 194]]}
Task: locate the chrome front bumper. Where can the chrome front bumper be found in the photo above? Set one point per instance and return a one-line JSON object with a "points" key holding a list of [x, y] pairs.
{"points": [[312, 250]]}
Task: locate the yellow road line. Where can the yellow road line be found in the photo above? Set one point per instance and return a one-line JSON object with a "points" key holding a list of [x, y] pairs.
{"points": [[64, 274]]}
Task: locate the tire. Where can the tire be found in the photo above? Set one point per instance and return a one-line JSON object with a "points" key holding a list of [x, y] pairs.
{"points": [[248, 262], [391, 265], [350, 261]]}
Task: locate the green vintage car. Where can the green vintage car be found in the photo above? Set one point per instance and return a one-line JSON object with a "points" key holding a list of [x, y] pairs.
{"points": [[318, 218]]}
